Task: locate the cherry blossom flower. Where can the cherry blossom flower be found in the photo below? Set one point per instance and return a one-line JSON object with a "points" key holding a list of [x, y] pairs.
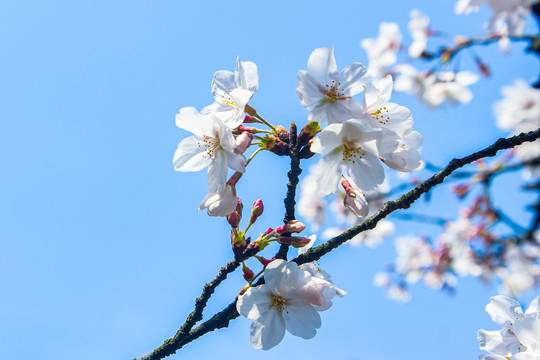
{"points": [[407, 155], [315, 271], [287, 300], [326, 93], [382, 51], [508, 15], [220, 203], [450, 86], [520, 108], [232, 91], [418, 27], [211, 146], [349, 146], [519, 338], [411, 81], [413, 256]]}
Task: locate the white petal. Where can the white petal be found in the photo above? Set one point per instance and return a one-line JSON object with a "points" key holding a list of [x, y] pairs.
{"points": [[282, 277], [236, 162], [268, 331], [246, 75], [498, 342], [328, 140], [223, 82], [367, 172], [309, 90], [528, 333], [328, 172], [191, 120], [534, 308], [302, 320], [504, 310], [217, 173], [254, 302], [191, 155], [353, 78], [322, 64]]}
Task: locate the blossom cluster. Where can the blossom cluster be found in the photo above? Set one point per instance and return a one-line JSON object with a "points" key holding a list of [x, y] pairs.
{"points": [[519, 337], [437, 84]]}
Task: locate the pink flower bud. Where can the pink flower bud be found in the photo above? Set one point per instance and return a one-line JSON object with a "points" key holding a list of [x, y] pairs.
{"points": [[295, 241], [256, 211], [234, 219], [282, 229], [295, 226], [247, 273], [239, 206], [265, 261], [250, 119], [242, 142], [356, 202], [299, 242], [269, 231], [346, 185]]}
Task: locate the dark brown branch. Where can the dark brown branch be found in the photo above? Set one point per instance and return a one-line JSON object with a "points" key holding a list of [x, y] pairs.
{"points": [[290, 198], [170, 346], [406, 200], [222, 319]]}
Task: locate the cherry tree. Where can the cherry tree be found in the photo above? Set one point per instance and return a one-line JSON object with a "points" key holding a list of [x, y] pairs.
{"points": [[356, 135]]}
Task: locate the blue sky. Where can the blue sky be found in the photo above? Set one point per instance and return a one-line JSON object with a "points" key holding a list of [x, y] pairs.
{"points": [[102, 250]]}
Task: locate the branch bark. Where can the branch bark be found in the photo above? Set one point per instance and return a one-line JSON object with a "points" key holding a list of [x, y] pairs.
{"points": [[222, 319]]}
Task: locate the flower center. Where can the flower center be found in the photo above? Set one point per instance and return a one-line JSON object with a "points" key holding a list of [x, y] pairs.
{"points": [[210, 145], [381, 115], [352, 152], [227, 100], [334, 93], [278, 303]]}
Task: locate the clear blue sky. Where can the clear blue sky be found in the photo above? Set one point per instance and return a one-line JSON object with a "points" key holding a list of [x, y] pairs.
{"points": [[102, 250]]}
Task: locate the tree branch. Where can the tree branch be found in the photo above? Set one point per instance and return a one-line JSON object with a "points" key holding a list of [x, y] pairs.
{"points": [[222, 319], [406, 200]]}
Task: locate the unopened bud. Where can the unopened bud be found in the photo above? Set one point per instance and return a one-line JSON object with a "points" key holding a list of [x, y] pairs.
{"points": [[247, 273], [258, 208], [483, 68], [295, 241], [241, 128], [295, 226], [239, 206], [308, 132], [346, 185], [251, 111], [264, 261], [242, 142], [238, 241], [281, 133], [255, 246], [234, 219], [356, 201], [305, 152]]}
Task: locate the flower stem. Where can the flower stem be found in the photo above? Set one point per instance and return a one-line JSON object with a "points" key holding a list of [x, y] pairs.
{"points": [[252, 156]]}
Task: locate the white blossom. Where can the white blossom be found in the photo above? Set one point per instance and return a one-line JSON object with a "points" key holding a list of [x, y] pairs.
{"points": [[287, 300], [211, 146], [326, 93], [418, 27], [232, 91], [451, 87], [382, 51], [220, 203]]}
